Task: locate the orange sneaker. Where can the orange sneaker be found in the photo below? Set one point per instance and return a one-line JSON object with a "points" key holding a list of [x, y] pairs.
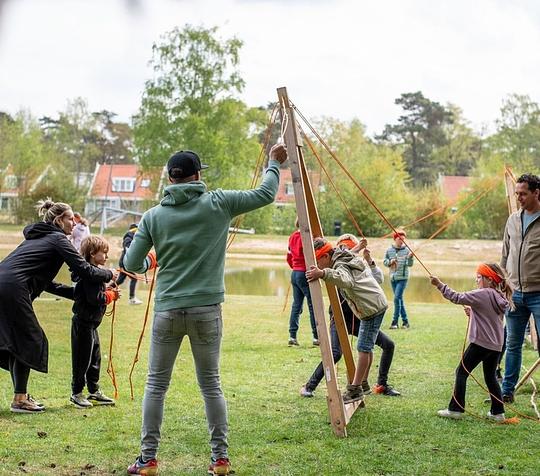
{"points": [[221, 467]]}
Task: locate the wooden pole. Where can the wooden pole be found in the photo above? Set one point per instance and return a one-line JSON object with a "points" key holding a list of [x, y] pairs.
{"points": [[310, 226], [528, 374]]}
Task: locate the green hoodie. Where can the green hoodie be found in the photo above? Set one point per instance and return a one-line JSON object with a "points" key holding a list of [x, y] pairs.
{"points": [[189, 230]]}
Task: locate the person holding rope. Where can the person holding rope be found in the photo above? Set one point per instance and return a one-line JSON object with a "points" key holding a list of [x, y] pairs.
{"points": [[188, 230], [486, 308], [521, 260], [24, 274], [399, 259], [354, 279], [300, 287], [352, 323], [91, 300], [126, 243]]}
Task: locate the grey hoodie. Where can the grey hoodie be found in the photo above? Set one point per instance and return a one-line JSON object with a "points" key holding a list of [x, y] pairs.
{"points": [[487, 314], [357, 283]]}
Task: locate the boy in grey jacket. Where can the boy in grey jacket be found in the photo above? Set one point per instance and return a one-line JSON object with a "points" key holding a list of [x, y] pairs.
{"points": [[354, 278]]}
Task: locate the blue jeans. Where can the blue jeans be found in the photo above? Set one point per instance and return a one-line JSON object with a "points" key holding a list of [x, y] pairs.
{"points": [[516, 322], [300, 289], [368, 332], [203, 326], [398, 287]]}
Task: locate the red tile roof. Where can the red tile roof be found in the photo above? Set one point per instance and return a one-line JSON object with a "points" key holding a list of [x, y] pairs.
{"points": [[102, 184], [286, 179], [452, 185]]}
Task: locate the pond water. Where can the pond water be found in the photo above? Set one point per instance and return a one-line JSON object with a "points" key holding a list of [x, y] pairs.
{"points": [[244, 277]]}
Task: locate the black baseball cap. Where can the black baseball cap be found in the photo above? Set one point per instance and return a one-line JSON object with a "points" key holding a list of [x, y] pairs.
{"points": [[187, 162]]}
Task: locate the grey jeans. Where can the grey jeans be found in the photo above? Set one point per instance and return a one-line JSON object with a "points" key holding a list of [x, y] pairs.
{"points": [[203, 326]]}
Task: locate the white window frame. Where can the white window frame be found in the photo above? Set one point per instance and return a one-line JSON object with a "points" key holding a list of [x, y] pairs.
{"points": [[123, 184]]}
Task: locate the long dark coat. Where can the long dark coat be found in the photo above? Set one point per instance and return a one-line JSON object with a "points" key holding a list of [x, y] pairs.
{"points": [[24, 275]]}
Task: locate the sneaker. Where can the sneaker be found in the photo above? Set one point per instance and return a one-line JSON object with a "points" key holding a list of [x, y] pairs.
{"points": [[450, 414], [221, 466], [99, 398], [148, 468], [498, 418], [305, 392], [315, 342], [26, 406], [366, 389], [80, 401], [508, 398], [387, 390], [31, 399], [292, 341], [353, 393], [394, 326], [405, 325], [135, 301]]}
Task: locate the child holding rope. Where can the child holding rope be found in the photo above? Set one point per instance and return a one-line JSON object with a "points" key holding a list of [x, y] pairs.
{"points": [[352, 323], [351, 274], [91, 300], [487, 306]]}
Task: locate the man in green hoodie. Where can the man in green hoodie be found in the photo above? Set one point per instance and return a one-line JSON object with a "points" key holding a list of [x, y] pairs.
{"points": [[188, 231]]}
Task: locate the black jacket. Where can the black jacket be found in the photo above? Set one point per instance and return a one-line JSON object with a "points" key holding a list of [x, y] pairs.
{"points": [[24, 274], [126, 243], [90, 300]]}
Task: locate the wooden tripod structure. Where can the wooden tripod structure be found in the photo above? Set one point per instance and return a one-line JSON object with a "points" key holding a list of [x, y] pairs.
{"points": [[310, 227], [510, 185]]}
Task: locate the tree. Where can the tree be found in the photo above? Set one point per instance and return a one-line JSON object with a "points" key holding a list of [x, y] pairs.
{"points": [[190, 104], [420, 131]]}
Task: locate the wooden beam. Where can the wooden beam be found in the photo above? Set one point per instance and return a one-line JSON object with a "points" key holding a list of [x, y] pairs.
{"points": [[528, 374]]}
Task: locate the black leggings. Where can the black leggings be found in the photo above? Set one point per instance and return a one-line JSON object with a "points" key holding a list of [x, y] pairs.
{"points": [[132, 283], [19, 375], [471, 358]]}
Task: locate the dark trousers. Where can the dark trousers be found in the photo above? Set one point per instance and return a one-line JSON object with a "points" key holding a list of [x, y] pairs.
{"points": [[132, 283], [85, 356], [383, 341], [300, 289], [19, 375], [471, 358]]}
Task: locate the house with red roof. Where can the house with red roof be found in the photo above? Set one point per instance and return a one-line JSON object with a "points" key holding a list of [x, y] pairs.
{"points": [[123, 186], [285, 194], [452, 185]]}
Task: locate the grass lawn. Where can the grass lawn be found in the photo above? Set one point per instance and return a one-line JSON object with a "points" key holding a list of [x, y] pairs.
{"points": [[272, 430]]}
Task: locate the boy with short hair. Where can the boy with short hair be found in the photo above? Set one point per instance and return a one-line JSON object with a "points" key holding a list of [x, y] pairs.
{"points": [[351, 274]]}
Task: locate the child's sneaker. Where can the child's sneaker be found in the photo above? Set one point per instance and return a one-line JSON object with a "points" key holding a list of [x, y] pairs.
{"points": [[394, 325], [498, 418], [305, 392], [353, 393], [221, 466], [450, 414], [387, 390], [292, 341], [405, 325], [315, 342], [99, 398], [80, 401], [366, 389], [26, 406], [31, 399], [148, 468], [135, 301]]}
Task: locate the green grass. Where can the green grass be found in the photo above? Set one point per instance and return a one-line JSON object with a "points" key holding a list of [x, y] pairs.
{"points": [[272, 430]]}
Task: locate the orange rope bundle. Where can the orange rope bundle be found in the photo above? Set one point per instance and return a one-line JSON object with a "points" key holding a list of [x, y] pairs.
{"points": [[136, 358]]}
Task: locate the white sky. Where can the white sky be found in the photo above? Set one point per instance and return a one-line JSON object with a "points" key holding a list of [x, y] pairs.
{"points": [[339, 58]]}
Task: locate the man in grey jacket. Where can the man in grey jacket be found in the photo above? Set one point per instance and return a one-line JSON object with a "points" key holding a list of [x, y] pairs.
{"points": [[521, 259]]}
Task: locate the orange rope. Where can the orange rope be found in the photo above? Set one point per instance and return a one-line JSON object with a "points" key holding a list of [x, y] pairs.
{"points": [[260, 160], [351, 216], [132, 275], [136, 358], [110, 365], [358, 186]]}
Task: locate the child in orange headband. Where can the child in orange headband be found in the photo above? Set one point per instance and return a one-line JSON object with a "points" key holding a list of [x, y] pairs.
{"points": [[486, 308], [353, 276]]}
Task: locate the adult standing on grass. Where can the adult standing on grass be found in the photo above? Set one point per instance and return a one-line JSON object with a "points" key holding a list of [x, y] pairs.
{"points": [[521, 260], [399, 259], [24, 274], [300, 288], [188, 231]]}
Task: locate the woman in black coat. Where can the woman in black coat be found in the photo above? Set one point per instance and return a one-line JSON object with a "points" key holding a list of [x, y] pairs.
{"points": [[24, 275]]}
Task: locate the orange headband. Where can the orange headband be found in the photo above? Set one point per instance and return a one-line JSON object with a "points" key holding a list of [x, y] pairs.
{"points": [[350, 244], [486, 271], [323, 250]]}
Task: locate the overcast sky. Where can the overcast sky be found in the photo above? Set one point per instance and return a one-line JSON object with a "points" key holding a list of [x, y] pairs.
{"points": [[344, 59]]}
